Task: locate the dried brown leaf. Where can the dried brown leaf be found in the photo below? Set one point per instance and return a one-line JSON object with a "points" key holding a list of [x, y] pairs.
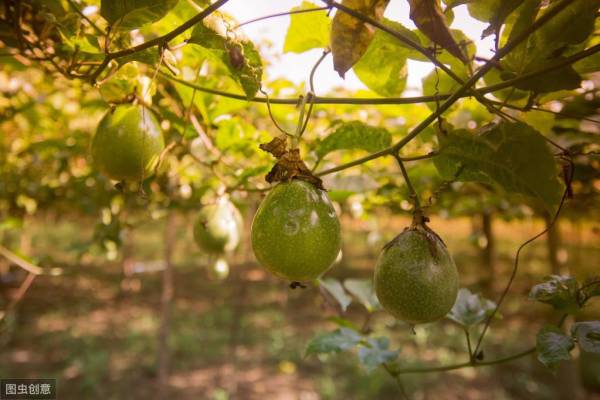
{"points": [[350, 36], [289, 164], [277, 147]]}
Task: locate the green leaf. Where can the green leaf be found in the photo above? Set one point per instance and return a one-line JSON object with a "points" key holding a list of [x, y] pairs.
{"points": [[553, 346], [588, 335], [350, 37], [558, 291], [355, 135], [363, 290], [470, 308], [122, 84], [132, 14], [383, 66], [239, 55], [513, 156], [376, 353], [335, 288], [437, 82], [543, 122], [307, 30], [589, 64], [333, 342]]}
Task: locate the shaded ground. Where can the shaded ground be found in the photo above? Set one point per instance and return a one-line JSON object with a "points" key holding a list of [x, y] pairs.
{"points": [[244, 337]]}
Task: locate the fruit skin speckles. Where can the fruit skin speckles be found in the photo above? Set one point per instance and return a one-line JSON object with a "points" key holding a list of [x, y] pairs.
{"points": [[296, 233], [416, 279], [127, 144]]}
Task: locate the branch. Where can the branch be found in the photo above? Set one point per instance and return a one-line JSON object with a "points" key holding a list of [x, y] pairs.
{"points": [[431, 154], [411, 190], [15, 259], [393, 100], [467, 364], [85, 17], [159, 41], [559, 113], [563, 63], [25, 285], [282, 14]]}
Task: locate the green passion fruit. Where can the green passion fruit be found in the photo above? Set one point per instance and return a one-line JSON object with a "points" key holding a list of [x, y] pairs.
{"points": [[415, 277], [218, 228], [296, 232], [127, 144]]}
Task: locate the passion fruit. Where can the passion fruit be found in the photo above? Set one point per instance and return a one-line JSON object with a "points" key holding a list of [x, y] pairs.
{"points": [[296, 232], [415, 277], [218, 228], [127, 144]]}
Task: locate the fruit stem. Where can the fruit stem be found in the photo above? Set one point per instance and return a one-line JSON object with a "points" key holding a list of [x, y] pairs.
{"points": [[296, 138], [418, 218]]}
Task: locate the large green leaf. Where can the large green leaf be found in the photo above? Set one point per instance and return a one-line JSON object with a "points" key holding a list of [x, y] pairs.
{"points": [[553, 346], [333, 342], [307, 30], [512, 156], [383, 66], [132, 14], [239, 55], [355, 135], [588, 335], [558, 291]]}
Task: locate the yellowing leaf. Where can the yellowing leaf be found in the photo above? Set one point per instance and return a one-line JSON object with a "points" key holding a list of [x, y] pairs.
{"points": [[428, 17], [307, 30], [350, 37]]}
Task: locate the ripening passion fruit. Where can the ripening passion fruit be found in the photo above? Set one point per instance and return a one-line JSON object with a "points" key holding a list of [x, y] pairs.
{"points": [[127, 144], [218, 228], [415, 277], [296, 232]]}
